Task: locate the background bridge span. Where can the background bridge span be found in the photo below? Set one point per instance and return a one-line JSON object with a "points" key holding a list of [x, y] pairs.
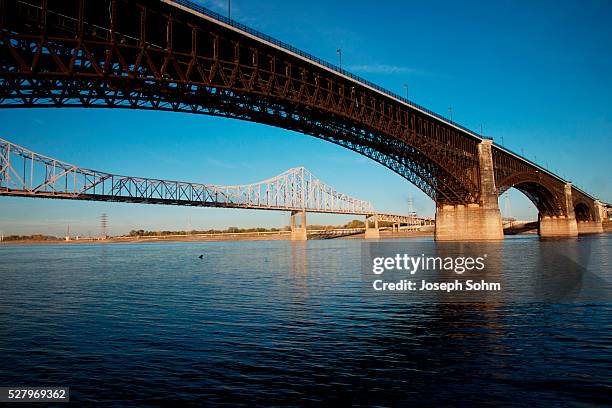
{"points": [[27, 173]]}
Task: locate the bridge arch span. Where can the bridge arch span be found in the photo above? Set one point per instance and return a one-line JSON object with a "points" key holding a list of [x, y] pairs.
{"points": [[402, 158], [589, 215], [162, 56], [583, 212], [545, 197]]}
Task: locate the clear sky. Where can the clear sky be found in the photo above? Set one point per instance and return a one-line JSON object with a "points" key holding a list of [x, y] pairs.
{"points": [[535, 75]]}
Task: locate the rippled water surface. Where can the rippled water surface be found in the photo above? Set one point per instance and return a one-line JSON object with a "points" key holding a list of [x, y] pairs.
{"points": [[281, 323]]}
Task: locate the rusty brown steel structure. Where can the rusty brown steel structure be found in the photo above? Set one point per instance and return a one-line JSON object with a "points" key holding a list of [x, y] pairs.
{"points": [[178, 56]]}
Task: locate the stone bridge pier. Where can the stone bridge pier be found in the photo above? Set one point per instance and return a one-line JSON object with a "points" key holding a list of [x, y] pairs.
{"points": [[478, 221], [582, 216], [594, 223], [298, 226], [371, 231], [563, 225]]}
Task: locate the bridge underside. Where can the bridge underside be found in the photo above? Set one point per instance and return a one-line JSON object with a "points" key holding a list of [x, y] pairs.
{"points": [[394, 154], [158, 55], [119, 54]]}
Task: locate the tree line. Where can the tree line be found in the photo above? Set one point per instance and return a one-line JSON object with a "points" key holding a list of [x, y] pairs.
{"points": [[33, 237], [236, 230]]}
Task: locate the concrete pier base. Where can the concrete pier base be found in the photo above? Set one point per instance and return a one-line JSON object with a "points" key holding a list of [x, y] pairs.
{"points": [[477, 221], [589, 227], [298, 230], [558, 227], [595, 224], [563, 225], [299, 235], [371, 232], [468, 223]]}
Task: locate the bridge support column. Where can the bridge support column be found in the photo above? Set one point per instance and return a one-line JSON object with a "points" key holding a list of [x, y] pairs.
{"points": [[372, 232], [596, 225], [560, 226], [298, 232], [474, 222]]}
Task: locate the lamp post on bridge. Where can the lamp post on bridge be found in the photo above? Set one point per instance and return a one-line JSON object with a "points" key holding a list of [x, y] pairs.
{"points": [[339, 52], [406, 86], [450, 113]]}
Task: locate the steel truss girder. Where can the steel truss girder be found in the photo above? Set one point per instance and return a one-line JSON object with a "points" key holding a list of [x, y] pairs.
{"points": [[26, 173]]}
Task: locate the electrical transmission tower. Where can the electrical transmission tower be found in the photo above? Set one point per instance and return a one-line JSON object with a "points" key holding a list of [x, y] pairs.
{"points": [[103, 225], [507, 208], [411, 206]]}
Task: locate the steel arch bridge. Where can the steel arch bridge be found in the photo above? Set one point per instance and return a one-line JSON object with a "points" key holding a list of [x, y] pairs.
{"points": [[177, 56]]}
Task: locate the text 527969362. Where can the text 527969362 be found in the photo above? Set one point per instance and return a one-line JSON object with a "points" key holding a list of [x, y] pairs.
{"points": [[34, 394]]}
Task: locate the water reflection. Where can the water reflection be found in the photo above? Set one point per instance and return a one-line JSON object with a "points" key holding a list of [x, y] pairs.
{"points": [[518, 271], [289, 323]]}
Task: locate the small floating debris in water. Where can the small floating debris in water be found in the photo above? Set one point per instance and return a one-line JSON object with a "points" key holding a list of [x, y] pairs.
{"points": [[201, 256]]}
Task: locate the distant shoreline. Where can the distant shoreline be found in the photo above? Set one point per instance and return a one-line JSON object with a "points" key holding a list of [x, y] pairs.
{"points": [[228, 237], [283, 236]]}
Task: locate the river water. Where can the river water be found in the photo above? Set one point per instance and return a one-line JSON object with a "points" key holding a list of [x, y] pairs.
{"points": [[281, 323]]}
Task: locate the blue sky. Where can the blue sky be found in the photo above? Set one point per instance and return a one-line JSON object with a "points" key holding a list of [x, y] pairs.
{"points": [[535, 75]]}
